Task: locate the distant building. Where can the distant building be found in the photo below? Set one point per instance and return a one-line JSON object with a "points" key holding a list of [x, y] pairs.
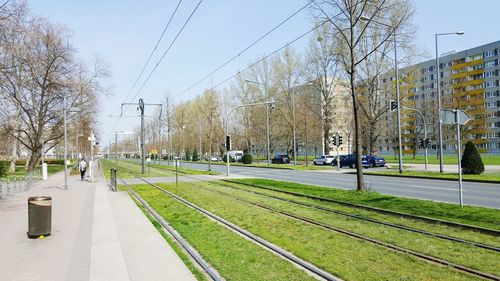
{"points": [[470, 80]]}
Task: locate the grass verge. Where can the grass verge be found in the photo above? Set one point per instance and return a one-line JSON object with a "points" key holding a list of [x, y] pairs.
{"points": [[484, 217], [448, 159], [345, 257], [232, 255], [493, 178]]}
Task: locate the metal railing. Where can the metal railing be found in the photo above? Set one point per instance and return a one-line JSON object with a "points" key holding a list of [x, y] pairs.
{"points": [[11, 185]]}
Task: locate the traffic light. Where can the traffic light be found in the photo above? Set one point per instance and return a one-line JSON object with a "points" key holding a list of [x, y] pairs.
{"points": [[421, 143], [340, 140], [228, 143], [334, 140], [427, 142], [394, 105]]}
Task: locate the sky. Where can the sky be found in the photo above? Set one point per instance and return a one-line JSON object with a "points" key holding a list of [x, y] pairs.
{"points": [[125, 32]]}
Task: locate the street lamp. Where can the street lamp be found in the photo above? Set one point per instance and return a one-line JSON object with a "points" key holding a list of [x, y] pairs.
{"points": [[398, 109], [268, 103], [267, 119], [65, 111], [440, 127]]}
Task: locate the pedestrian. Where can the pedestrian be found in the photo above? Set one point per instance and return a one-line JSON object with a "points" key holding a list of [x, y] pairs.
{"points": [[83, 168]]}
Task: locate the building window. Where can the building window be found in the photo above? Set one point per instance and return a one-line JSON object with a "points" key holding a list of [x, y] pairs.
{"points": [[489, 53], [490, 63], [489, 84]]}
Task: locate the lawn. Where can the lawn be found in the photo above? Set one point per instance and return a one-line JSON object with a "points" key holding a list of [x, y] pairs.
{"points": [[432, 159], [343, 256], [484, 217], [234, 257], [452, 176]]}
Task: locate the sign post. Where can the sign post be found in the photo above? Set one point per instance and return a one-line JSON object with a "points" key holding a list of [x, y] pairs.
{"points": [[458, 117]]}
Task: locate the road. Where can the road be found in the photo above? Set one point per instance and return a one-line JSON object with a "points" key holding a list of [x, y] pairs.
{"points": [[478, 194]]}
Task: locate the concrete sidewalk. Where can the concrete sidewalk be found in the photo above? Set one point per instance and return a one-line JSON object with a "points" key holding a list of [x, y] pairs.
{"points": [[96, 235]]}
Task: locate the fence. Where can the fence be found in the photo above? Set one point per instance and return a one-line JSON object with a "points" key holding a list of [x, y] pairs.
{"points": [[11, 185]]}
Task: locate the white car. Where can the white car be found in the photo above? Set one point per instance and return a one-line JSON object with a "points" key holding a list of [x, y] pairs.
{"points": [[324, 160]]}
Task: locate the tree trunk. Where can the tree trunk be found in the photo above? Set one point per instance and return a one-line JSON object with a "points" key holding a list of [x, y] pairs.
{"points": [[357, 132]]}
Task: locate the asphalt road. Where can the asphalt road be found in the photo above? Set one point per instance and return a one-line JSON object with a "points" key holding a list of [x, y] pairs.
{"points": [[478, 194]]}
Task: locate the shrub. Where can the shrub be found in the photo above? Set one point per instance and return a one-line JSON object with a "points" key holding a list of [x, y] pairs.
{"points": [[471, 160], [3, 168], [195, 155], [247, 159], [231, 159]]}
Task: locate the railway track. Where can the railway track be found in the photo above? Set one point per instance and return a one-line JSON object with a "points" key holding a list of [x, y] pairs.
{"points": [[362, 237], [184, 244], [364, 218], [489, 231], [306, 266]]}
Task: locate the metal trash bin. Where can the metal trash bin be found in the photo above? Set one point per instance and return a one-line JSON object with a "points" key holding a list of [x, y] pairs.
{"points": [[39, 216]]}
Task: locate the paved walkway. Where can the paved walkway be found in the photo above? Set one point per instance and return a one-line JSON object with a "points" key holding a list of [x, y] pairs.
{"points": [[96, 235]]}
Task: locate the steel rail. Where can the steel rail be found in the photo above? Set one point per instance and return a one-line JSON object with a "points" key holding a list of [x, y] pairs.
{"points": [[360, 217], [484, 230], [189, 249], [365, 238], [266, 244]]}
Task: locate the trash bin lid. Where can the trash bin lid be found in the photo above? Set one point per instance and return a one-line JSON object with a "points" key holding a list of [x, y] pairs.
{"points": [[39, 198]]}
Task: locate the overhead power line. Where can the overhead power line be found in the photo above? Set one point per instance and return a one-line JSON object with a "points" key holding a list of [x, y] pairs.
{"points": [[266, 57], [153, 51], [168, 49], [246, 49]]}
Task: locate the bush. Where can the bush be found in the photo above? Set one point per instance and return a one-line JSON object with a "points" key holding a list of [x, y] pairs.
{"points": [[195, 155], [231, 159], [247, 159], [471, 160], [3, 168]]}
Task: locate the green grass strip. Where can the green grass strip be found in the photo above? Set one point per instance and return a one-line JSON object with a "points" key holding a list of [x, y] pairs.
{"points": [[432, 159], [495, 178], [343, 256], [232, 255], [423, 225], [479, 216], [463, 254]]}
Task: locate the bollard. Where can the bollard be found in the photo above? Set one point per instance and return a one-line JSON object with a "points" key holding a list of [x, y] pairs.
{"points": [[1, 188], [8, 186]]}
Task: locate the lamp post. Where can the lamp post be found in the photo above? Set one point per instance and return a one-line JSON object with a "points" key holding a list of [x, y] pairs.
{"points": [[268, 103], [440, 127], [267, 119], [398, 109], [65, 111]]}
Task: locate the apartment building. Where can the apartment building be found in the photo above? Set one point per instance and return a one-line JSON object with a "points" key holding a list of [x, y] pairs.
{"points": [[469, 79]]}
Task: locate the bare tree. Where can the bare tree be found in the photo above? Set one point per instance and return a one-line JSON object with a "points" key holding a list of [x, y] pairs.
{"points": [[349, 33]]}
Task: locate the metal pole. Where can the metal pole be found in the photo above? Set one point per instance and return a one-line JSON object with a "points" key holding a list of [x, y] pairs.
{"points": [[338, 158], [294, 135], [460, 196], [425, 132], [116, 148], [399, 106], [440, 126], [92, 156], [65, 147], [267, 128], [141, 107]]}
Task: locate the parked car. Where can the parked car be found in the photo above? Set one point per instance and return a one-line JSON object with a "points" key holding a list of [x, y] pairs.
{"points": [[376, 161], [334, 161], [350, 161], [323, 160], [281, 159]]}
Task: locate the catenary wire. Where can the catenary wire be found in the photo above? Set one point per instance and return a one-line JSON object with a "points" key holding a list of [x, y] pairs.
{"points": [[246, 49]]}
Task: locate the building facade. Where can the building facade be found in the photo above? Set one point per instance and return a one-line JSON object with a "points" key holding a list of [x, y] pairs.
{"points": [[469, 80]]}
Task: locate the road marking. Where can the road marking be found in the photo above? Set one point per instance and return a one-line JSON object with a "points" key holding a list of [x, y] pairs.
{"points": [[439, 188]]}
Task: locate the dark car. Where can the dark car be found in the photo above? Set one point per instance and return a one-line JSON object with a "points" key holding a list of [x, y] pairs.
{"points": [[350, 161], [334, 161], [376, 161], [281, 159]]}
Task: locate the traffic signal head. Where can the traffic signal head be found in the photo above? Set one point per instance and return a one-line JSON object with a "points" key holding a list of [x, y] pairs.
{"points": [[427, 142], [340, 140], [421, 142], [334, 140], [228, 143], [394, 105]]}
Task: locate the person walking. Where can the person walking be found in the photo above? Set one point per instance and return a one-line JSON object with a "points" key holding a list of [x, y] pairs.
{"points": [[83, 168]]}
